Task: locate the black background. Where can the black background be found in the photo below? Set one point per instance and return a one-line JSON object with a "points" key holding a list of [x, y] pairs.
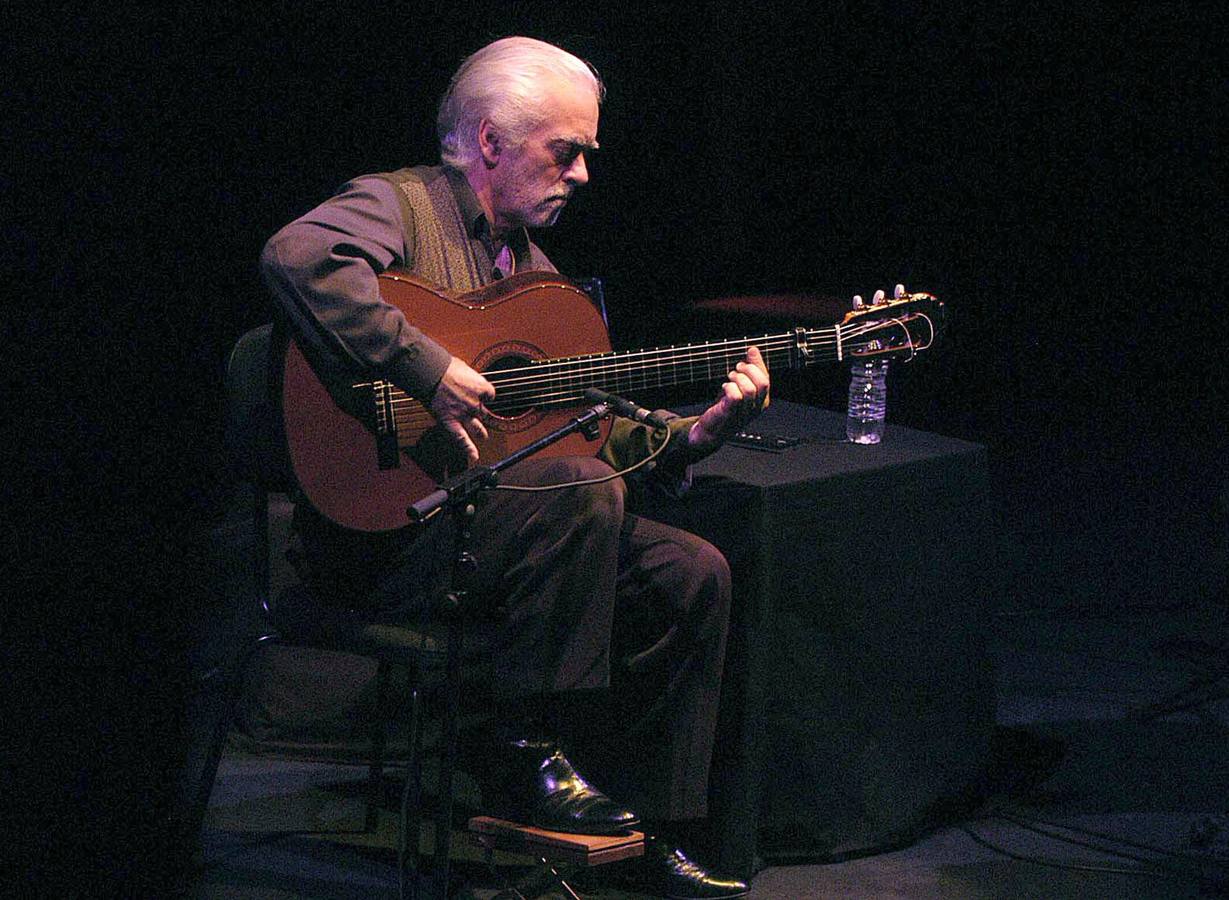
{"points": [[1053, 174]]}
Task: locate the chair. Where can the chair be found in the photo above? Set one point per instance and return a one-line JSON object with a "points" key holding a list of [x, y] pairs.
{"points": [[256, 449]]}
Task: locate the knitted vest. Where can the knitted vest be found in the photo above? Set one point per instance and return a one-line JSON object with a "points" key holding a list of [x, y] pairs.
{"points": [[437, 240]]}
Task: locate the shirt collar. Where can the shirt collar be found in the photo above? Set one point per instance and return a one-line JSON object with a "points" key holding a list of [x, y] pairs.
{"points": [[476, 224]]}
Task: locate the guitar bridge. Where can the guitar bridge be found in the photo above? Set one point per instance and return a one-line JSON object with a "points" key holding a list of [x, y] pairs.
{"points": [[380, 408]]}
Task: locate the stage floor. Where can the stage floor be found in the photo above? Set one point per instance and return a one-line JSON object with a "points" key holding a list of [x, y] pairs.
{"points": [[1069, 676]]}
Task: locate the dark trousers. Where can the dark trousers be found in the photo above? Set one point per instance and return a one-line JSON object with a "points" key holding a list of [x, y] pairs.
{"points": [[615, 623]]}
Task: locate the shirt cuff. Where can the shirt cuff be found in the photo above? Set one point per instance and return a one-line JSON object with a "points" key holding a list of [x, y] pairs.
{"points": [[419, 369]]}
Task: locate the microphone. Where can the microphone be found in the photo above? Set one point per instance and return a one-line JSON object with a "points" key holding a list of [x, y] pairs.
{"points": [[625, 408]]}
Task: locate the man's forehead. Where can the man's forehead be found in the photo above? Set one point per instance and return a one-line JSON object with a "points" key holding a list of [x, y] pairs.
{"points": [[571, 115]]}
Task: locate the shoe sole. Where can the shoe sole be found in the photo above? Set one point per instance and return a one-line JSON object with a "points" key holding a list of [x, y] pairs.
{"points": [[621, 829]]}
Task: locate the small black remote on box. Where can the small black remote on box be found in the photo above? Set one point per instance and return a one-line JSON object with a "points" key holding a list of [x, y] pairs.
{"points": [[769, 443]]}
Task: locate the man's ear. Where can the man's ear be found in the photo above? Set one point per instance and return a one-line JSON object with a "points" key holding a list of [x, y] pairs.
{"points": [[489, 143]]}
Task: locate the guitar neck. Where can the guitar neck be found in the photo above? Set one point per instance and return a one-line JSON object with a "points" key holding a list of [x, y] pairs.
{"points": [[564, 381]]}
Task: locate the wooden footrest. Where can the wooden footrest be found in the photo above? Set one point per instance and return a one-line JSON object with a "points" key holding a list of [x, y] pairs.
{"points": [[576, 849]]}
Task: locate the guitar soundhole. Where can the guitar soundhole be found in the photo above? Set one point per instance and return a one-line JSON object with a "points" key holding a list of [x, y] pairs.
{"points": [[518, 393]]}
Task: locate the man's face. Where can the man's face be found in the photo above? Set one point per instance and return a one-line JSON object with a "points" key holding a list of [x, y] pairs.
{"points": [[532, 182]]}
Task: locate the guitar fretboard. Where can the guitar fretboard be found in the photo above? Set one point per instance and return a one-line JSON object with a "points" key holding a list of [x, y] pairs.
{"points": [[564, 381]]}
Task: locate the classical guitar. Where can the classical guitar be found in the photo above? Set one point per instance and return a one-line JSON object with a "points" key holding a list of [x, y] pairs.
{"points": [[363, 451]]}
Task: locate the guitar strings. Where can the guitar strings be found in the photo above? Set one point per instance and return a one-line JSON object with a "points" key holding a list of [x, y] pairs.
{"points": [[713, 365], [571, 375], [614, 368], [409, 413], [567, 382], [603, 366], [823, 336], [667, 355], [711, 349], [618, 363], [529, 393]]}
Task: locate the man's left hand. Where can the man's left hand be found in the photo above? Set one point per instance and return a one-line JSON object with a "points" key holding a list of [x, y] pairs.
{"points": [[743, 396]]}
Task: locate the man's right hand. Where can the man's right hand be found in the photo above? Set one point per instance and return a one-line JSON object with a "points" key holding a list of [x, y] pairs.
{"points": [[457, 406]]}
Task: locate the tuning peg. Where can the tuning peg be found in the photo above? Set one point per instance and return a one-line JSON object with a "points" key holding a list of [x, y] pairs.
{"points": [[858, 302], [899, 292]]}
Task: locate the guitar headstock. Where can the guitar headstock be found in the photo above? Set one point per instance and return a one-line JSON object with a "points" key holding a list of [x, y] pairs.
{"points": [[897, 326]]}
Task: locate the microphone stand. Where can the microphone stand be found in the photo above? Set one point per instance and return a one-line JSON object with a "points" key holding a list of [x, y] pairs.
{"points": [[458, 496]]}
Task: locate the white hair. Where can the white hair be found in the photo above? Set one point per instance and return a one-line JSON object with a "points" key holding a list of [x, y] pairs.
{"points": [[502, 82]]}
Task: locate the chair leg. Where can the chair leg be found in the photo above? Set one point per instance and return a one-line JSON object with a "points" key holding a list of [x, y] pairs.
{"points": [[429, 880], [411, 877], [448, 754], [232, 691], [410, 822], [378, 740]]}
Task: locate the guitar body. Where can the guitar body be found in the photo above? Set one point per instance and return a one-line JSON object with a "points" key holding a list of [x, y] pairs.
{"points": [[332, 439]]}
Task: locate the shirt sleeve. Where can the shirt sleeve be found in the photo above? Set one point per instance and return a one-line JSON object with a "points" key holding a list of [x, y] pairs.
{"points": [[321, 270], [630, 442]]}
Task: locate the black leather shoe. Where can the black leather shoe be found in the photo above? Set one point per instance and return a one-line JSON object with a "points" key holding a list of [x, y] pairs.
{"points": [[533, 782], [665, 871]]}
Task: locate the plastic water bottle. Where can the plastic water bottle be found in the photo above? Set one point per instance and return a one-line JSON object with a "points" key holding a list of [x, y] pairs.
{"points": [[868, 387], [868, 390]]}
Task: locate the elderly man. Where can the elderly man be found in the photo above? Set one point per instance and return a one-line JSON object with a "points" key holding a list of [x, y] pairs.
{"points": [[590, 595]]}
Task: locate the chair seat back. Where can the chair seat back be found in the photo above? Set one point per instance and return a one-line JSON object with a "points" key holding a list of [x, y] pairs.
{"points": [[255, 440]]}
